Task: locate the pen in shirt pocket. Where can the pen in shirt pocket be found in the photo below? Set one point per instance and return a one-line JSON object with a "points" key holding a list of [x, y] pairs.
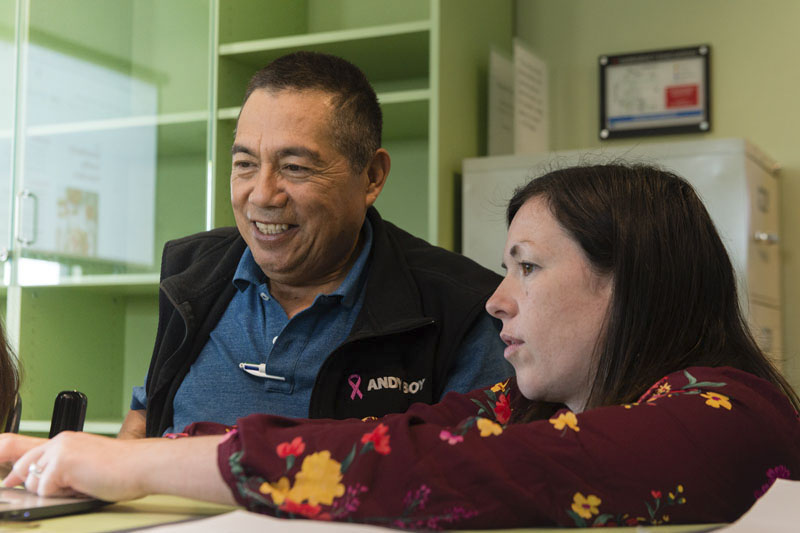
{"points": [[259, 371]]}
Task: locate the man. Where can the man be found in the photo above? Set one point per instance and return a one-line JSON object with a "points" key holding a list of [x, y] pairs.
{"points": [[315, 307]]}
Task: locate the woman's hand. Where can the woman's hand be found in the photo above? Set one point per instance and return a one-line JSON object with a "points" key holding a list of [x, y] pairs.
{"points": [[12, 447], [74, 463], [114, 469]]}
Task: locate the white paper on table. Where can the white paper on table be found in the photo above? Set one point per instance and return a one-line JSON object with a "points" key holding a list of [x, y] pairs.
{"points": [[501, 104], [777, 511], [531, 115], [237, 521]]}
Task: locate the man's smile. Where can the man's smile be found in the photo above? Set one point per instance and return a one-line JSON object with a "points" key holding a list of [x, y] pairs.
{"points": [[271, 229]]}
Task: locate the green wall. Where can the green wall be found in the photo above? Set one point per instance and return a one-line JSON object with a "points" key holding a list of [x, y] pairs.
{"points": [[755, 75]]}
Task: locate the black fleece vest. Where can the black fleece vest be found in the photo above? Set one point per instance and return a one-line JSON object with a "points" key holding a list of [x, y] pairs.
{"points": [[420, 302]]}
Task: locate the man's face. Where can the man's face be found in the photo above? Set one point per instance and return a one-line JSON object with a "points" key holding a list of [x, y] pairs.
{"points": [[297, 202]]}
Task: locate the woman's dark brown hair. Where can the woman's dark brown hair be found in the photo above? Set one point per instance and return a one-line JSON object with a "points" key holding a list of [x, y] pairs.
{"points": [[9, 379], [674, 301]]}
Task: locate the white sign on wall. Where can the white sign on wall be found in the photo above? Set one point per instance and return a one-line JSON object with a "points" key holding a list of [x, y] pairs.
{"points": [[518, 103]]}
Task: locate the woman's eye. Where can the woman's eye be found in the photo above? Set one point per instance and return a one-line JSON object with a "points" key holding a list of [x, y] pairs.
{"points": [[527, 268]]}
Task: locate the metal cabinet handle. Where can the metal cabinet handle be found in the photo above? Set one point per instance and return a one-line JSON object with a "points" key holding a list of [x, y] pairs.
{"points": [[766, 238], [23, 198]]}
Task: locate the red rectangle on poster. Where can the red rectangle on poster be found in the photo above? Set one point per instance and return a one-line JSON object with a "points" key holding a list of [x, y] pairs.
{"points": [[682, 96]]}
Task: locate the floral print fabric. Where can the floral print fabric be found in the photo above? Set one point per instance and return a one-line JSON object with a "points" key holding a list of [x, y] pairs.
{"points": [[673, 456]]}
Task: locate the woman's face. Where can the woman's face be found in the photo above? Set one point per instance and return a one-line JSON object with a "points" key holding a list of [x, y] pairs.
{"points": [[553, 308]]}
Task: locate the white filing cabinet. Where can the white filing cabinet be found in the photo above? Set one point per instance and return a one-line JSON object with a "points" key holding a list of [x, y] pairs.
{"points": [[737, 182]]}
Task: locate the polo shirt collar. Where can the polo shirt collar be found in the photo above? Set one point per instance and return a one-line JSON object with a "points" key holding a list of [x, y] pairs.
{"points": [[249, 273]]}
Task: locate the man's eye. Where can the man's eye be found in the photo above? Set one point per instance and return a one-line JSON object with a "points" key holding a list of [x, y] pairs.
{"points": [[242, 164], [293, 170]]}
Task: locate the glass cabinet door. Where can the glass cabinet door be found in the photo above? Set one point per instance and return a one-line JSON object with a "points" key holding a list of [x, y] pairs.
{"points": [[109, 144], [8, 67], [113, 161]]}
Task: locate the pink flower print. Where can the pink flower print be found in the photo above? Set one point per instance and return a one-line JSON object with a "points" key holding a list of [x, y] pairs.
{"points": [[450, 438]]}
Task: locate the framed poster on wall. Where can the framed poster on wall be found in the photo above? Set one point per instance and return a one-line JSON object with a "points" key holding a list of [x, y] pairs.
{"points": [[654, 93]]}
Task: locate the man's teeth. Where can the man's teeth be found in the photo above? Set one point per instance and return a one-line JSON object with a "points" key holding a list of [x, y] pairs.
{"points": [[271, 229]]}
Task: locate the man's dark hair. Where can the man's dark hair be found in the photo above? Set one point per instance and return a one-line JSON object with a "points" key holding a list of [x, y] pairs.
{"points": [[357, 120], [674, 300]]}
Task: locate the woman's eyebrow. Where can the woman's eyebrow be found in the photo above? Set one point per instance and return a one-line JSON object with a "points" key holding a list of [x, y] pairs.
{"points": [[516, 250]]}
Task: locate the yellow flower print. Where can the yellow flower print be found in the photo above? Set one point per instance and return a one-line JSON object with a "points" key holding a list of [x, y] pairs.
{"points": [[278, 490], [567, 419], [585, 507], [664, 388], [500, 387], [318, 480], [717, 400], [488, 427]]}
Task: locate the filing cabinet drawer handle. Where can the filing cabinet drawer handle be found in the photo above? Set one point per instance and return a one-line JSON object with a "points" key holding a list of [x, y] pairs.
{"points": [[766, 238]]}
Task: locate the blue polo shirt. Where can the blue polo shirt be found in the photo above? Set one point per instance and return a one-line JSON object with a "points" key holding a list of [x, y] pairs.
{"points": [[255, 329]]}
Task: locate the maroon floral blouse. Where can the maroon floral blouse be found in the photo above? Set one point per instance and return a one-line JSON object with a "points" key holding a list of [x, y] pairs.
{"points": [[700, 446]]}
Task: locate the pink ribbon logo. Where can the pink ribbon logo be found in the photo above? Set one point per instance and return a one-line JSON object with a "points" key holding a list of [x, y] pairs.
{"points": [[355, 382]]}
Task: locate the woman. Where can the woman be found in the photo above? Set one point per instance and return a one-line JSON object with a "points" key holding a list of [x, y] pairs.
{"points": [[638, 392], [9, 380]]}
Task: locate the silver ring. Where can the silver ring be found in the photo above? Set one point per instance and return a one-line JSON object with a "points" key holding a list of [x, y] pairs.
{"points": [[35, 470]]}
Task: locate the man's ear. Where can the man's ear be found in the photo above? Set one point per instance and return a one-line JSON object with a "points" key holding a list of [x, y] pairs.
{"points": [[377, 171]]}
